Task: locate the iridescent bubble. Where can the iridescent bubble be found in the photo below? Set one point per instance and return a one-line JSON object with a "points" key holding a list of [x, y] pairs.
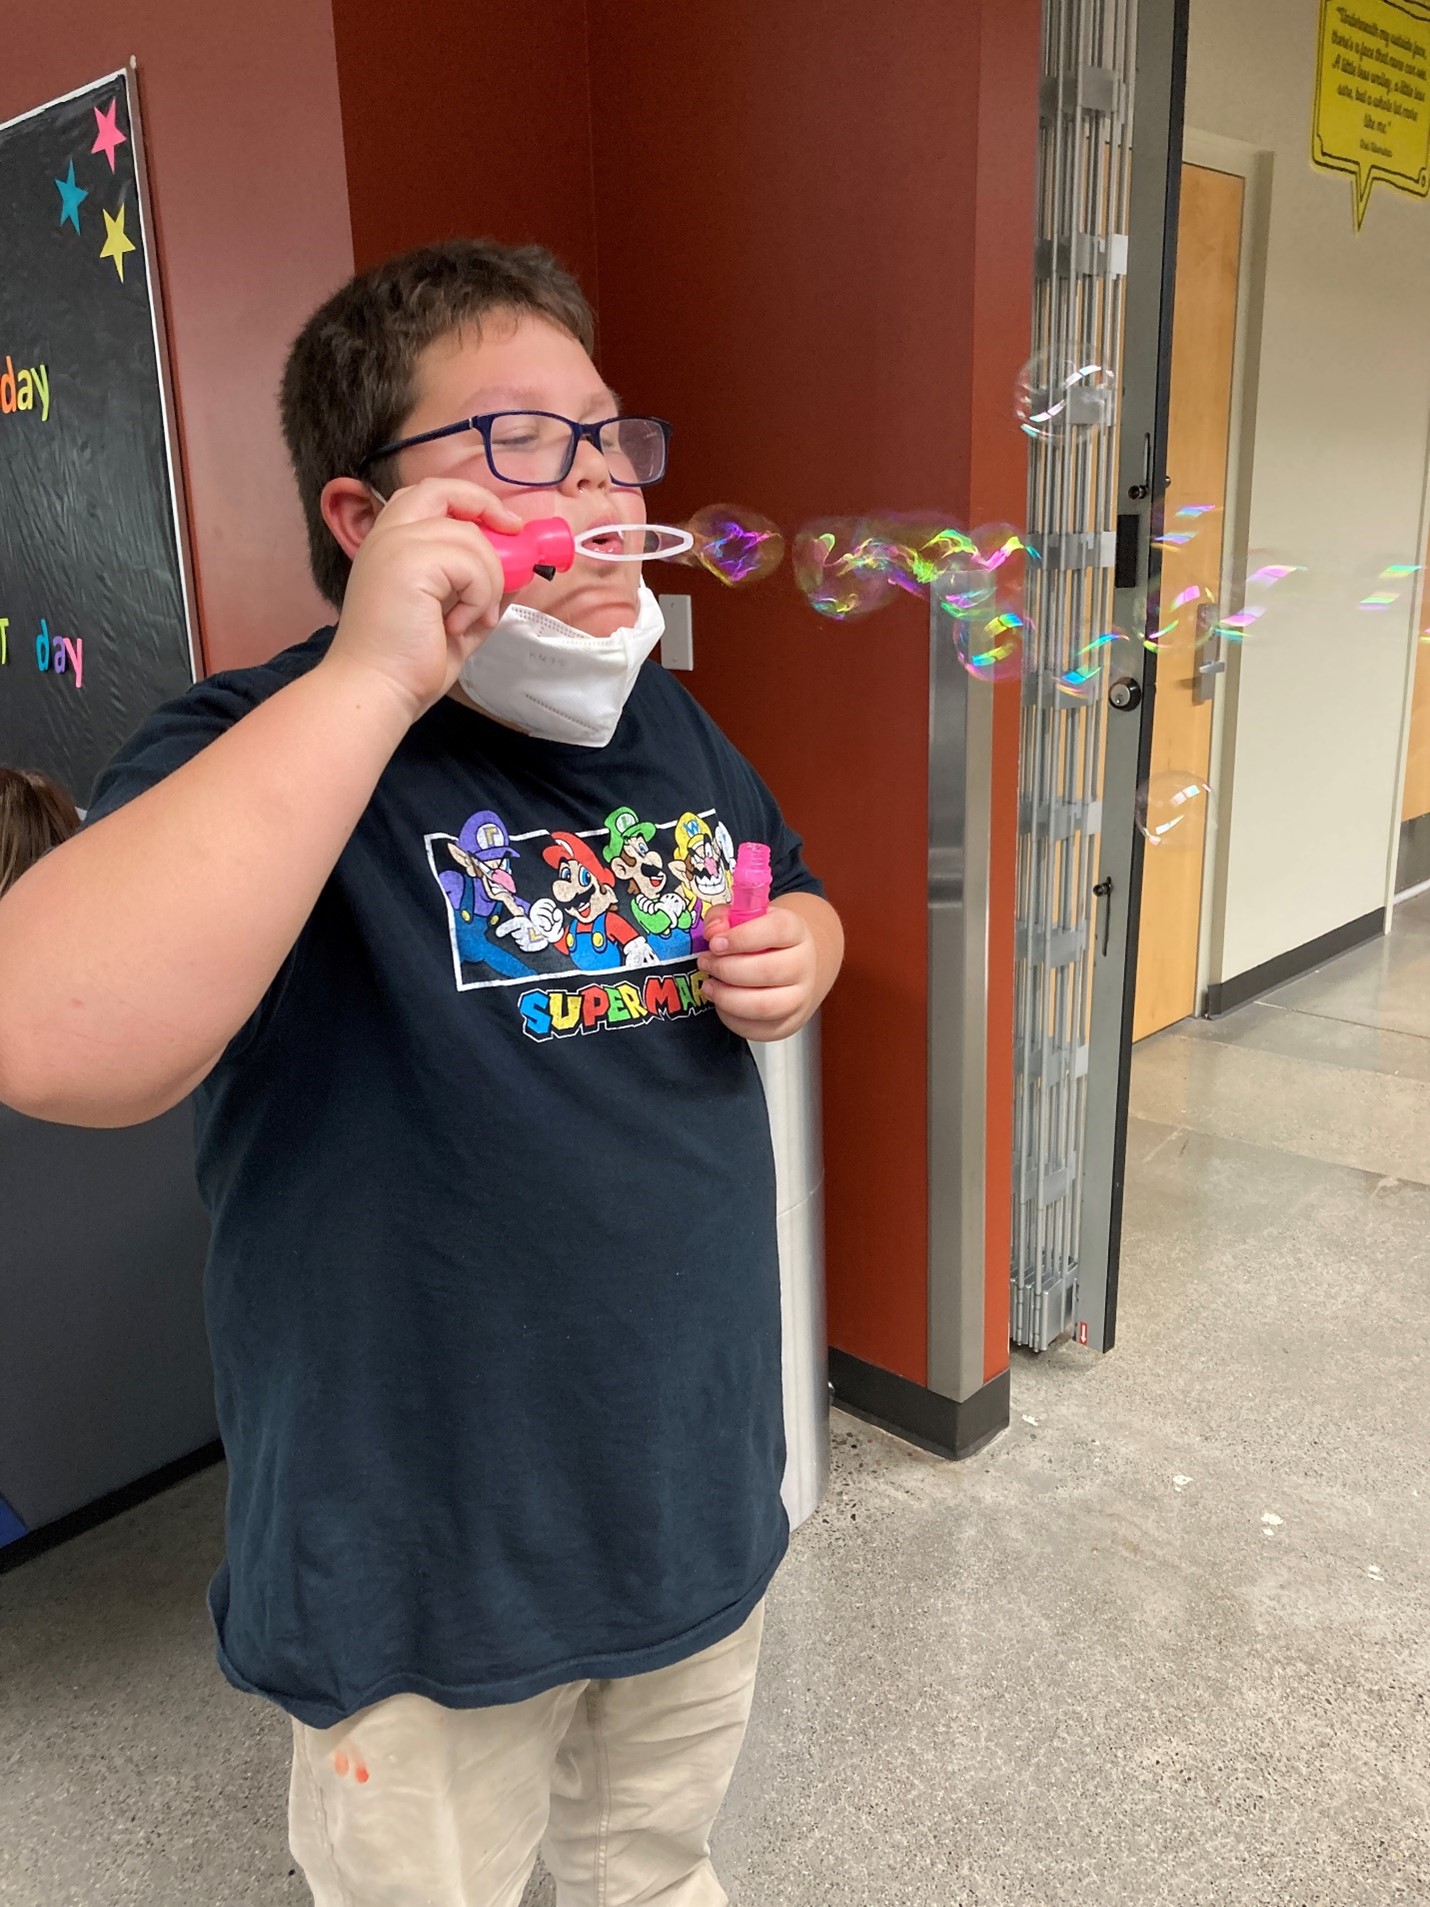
{"points": [[737, 545], [1172, 810], [1183, 621], [841, 565], [1002, 550], [1269, 574], [1109, 654], [1272, 598], [1236, 626], [1390, 588], [920, 549], [965, 591], [1060, 395], [991, 646]]}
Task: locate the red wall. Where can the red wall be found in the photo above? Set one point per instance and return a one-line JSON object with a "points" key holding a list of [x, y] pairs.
{"points": [[468, 120], [240, 115], [815, 258]]}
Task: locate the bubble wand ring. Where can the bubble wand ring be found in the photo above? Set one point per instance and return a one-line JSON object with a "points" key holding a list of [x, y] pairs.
{"points": [[548, 545], [672, 542]]}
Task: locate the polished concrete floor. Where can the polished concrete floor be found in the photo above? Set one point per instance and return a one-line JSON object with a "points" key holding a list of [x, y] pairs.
{"points": [[1166, 1641]]}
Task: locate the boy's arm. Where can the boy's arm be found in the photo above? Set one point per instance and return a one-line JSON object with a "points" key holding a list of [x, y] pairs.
{"points": [[132, 954]]}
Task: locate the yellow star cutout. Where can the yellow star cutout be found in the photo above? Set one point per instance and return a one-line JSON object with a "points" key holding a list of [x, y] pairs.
{"points": [[115, 243]]}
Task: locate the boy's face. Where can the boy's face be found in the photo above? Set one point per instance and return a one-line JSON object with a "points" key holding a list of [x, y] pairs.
{"points": [[524, 363]]}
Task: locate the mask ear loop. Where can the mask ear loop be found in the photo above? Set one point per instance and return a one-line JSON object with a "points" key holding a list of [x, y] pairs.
{"points": [[672, 543]]}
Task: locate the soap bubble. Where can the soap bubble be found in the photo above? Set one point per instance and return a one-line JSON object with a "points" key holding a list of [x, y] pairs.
{"points": [[1272, 597], [735, 544], [1110, 654], [1003, 551], [1172, 810], [918, 549], [1183, 621], [1390, 588], [991, 646], [1058, 395], [966, 590], [841, 566]]}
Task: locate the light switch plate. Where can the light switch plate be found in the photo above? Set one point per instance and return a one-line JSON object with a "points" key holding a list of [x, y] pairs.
{"points": [[677, 645]]}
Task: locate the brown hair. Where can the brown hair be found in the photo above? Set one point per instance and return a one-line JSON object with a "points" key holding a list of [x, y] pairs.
{"points": [[349, 380], [35, 815]]}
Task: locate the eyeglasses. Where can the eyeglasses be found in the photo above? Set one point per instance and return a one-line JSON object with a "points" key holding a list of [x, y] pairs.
{"points": [[538, 448]]}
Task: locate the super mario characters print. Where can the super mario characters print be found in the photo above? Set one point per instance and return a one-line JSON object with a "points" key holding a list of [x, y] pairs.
{"points": [[544, 910]]}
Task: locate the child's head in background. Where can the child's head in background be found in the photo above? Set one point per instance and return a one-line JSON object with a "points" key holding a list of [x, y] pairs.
{"points": [[36, 814]]}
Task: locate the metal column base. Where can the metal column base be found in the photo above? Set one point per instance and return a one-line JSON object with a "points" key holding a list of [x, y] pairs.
{"points": [[949, 1426]]}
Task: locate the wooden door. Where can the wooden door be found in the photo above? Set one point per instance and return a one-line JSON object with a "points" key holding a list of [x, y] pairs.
{"points": [[1198, 441]]}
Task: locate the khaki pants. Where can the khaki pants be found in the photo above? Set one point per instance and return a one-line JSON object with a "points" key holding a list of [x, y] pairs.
{"points": [[409, 1804]]}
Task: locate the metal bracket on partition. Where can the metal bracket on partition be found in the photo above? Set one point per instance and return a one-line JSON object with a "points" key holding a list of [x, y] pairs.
{"points": [[1082, 255], [1094, 89]]}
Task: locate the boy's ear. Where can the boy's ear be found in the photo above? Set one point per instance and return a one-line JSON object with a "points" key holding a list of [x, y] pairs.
{"points": [[349, 509]]}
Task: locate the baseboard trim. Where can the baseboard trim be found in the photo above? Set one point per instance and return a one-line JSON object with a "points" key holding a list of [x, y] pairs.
{"points": [[950, 1427], [49, 1535], [1224, 996]]}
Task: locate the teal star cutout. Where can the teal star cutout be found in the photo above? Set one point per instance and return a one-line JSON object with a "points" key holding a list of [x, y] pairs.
{"points": [[71, 198]]}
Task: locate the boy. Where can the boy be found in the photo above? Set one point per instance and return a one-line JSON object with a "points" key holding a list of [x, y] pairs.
{"points": [[504, 1443]]}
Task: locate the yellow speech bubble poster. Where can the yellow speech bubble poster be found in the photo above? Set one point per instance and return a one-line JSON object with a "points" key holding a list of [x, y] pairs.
{"points": [[1372, 116]]}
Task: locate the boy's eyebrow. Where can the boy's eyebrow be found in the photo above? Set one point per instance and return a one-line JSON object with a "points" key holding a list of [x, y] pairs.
{"points": [[507, 397]]}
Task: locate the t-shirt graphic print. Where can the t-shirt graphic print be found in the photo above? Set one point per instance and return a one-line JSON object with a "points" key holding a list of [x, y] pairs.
{"points": [[557, 906]]}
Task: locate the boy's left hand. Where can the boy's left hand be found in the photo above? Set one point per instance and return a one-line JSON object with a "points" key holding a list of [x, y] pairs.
{"points": [[763, 977]]}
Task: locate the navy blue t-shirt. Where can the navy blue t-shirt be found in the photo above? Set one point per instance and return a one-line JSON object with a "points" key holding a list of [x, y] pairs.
{"points": [[493, 1292]]}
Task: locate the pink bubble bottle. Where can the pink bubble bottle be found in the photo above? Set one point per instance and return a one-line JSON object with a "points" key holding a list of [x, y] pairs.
{"points": [[750, 897]]}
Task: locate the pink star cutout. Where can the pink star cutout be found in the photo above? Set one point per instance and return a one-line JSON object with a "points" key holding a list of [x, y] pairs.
{"points": [[108, 135]]}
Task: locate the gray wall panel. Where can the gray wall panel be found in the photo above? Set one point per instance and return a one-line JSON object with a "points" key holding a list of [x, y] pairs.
{"points": [[104, 1361]]}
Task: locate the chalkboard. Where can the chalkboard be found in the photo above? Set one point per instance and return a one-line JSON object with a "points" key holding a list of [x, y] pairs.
{"points": [[94, 627]]}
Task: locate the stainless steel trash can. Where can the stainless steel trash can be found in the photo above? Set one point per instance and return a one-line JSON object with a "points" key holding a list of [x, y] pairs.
{"points": [[790, 1071]]}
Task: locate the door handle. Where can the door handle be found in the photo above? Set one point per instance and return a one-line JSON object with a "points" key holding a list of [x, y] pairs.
{"points": [[1210, 665], [1103, 891]]}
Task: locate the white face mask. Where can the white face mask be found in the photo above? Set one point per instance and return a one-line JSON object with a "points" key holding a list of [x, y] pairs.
{"points": [[543, 676]]}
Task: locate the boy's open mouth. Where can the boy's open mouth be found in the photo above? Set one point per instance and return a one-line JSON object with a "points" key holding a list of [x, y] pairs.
{"points": [[612, 540]]}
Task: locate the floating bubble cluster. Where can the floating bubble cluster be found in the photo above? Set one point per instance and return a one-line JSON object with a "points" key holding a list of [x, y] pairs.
{"points": [[1059, 395], [737, 545], [848, 567], [1173, 808]]}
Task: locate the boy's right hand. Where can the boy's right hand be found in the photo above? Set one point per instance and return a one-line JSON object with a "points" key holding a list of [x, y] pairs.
{"points": [[425, 589]]}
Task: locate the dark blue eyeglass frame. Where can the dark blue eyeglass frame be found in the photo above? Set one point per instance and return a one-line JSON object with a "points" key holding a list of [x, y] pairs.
{"points": [[589, 433]]}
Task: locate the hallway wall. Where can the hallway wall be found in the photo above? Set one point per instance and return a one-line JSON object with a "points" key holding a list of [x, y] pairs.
{"points": [[1311, 789], [478, 126]]}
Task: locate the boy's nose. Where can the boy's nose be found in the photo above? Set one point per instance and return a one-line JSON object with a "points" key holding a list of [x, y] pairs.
{"points": [[590, 470]]}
